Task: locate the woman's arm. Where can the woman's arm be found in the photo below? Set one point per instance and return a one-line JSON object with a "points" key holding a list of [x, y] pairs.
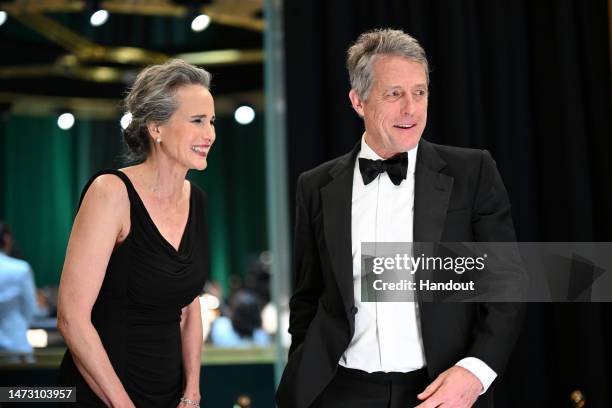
{"points": [[191, 339], [98, 226]]}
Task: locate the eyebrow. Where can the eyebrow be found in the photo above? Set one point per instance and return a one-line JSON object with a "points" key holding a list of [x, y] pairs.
{"points": [[401, 87], [200, 116]]}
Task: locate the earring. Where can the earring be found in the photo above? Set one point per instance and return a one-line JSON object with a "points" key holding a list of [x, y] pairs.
{"points": [[158, 140]]}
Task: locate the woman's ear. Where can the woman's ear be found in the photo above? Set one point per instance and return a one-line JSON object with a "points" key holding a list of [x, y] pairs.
{"points": [[153, 129]]}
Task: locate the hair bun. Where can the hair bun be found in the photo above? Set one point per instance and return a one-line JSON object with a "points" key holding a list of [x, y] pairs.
{"points": [[136, 140]]}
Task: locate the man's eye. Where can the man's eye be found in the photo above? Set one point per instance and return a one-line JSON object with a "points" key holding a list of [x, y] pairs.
{"points": [[197, 121], [394, 94], [420, 92]]}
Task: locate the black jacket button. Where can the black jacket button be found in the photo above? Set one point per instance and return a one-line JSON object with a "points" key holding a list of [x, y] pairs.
{"points": [[354, 310]]}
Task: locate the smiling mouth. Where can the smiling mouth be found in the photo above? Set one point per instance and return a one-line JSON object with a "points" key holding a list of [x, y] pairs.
{"points": [[200, 150], [405, 126]]}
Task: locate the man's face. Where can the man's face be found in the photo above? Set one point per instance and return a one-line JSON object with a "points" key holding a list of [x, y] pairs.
{"points": [[395, 113]]}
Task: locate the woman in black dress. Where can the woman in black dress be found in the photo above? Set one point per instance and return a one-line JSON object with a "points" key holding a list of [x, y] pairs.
{"points": [[137, 256]]}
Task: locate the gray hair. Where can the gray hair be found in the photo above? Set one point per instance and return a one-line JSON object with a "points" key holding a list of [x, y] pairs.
{"points": [[371, 44], [152, 100]]}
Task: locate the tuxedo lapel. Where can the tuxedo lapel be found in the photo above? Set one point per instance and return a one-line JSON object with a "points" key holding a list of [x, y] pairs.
{"points": [[432, 192], [337, 200]]}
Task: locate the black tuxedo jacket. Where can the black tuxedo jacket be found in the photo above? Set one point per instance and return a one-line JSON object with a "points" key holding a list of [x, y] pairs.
{"points": [[459, 197]]}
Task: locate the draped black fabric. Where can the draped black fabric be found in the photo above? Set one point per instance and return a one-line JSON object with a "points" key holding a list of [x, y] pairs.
{"points": [[138, 310], [530, 82]]}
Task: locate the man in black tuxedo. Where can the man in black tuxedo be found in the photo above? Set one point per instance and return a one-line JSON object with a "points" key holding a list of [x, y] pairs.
{"points": [[393, 186]]}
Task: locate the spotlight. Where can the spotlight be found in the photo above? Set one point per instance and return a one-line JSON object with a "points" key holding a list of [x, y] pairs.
{"points": [[125, 121], [65, 121], [244, 115], [2, 17], [37, 338], [210, 301], [269, 318], [98, 18], [200, 23]]}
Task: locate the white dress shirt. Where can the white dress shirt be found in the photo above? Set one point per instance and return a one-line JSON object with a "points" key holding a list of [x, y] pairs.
{"points": [[387, 334]]}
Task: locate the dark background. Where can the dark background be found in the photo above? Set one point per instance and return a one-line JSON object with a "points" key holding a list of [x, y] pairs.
{"points": [[22, 46], [530, 82]]}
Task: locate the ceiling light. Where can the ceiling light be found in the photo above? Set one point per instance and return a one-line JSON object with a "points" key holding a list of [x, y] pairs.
{"points": [[2, 17], [244, 115], [65, 121], [98, 18], [200, 23]]}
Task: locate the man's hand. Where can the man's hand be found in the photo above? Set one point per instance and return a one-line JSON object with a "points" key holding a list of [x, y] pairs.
{"points": [[457, 387]]}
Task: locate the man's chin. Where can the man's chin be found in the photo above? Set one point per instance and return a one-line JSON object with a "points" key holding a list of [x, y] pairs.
{"points": [[408, 143]]}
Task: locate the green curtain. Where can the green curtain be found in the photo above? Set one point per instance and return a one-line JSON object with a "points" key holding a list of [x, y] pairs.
{"points": [[235, 184], [39, 196], [45, 168]]}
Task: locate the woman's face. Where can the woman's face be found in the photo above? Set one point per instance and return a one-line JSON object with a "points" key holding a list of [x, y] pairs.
{"points": [[189, 133]]}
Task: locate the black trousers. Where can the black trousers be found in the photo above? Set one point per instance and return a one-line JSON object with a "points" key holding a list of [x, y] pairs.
{"points": [[358, 389]]}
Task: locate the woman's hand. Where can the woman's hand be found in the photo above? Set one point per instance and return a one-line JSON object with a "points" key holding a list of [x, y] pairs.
{"points": [[192, 395]]}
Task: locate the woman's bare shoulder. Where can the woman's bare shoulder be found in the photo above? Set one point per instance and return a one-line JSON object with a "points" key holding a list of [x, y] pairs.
{"points": [[108, 186]]}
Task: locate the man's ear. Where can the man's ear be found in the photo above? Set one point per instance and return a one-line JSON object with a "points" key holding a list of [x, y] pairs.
{"points": [[356, 102]]}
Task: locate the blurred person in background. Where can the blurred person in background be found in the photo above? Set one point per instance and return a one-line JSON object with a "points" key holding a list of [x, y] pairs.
{"points": [[257, 280], [17, 297], [243, 327], [137, 257]]}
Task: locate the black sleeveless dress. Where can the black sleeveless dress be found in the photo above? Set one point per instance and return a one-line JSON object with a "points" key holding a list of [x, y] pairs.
{"points": [[138, 310]]}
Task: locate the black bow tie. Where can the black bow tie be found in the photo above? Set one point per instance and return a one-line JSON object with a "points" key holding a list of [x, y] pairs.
{"points": [[396, 167]]}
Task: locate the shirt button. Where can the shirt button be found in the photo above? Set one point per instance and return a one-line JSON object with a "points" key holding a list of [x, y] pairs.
{"points": [[354, 310]]}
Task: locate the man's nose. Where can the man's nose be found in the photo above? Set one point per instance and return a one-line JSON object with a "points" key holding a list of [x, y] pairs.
{"points": [[407, 105]]}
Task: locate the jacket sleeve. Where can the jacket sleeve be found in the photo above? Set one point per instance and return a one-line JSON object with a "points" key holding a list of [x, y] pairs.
{"points": [[308, 281], [498, 323]]}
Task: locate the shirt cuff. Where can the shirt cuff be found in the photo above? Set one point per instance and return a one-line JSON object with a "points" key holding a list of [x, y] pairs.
{"points": [[480, 369]]}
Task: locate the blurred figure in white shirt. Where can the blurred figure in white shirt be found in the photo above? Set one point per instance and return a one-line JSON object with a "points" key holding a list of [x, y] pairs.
{"points": [[17, 297]]}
